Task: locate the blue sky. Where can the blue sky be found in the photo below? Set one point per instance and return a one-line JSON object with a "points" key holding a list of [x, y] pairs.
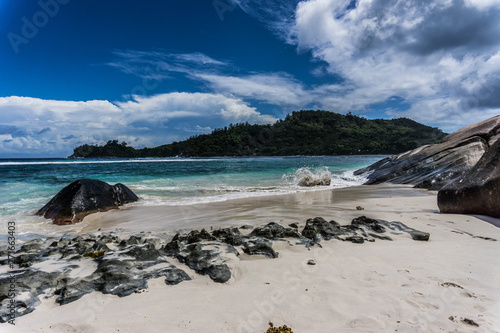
{"points": [[151, 72]]}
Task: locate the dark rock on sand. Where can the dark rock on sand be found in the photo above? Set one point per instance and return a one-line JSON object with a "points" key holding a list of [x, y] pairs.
{"points": [[478, 190], [146, 252], [208, 258], [361, 228], [274, 231], [419, 235], [355, 239], [32, 246], [370, 223], [120, 272], [173, 275], [246, 227], [231, 236], [196, 236], [318, 228], [74, 291], [218, 272], [132, 240], [122, 267], [192, 237], [29, 284], [434, 166], [259, 245], [83, 197], [173, 247], [25, 260], [115, 277]]}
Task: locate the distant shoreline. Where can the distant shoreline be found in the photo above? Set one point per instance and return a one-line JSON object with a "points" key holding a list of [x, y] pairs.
{"points": [[194, 157], [302, 133]]}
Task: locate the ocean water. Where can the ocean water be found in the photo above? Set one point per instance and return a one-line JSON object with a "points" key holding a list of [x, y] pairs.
{"points": [[27, 185]]}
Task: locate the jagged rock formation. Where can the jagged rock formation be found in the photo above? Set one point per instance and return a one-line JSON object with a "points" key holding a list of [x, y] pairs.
{"points": [[434, 166], [123, 266], [83, 197]]}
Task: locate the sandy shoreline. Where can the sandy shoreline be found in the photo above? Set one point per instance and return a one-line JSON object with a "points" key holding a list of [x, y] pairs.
{"points": [[384, 286], [287, 208]]}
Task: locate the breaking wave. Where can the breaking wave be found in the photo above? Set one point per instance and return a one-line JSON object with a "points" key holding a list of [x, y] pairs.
{"points": [[311, 177]]}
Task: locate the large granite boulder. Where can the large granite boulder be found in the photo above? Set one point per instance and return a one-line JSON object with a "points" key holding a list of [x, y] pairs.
{"points": [[434, 166], [83, 197], [478, 190]]}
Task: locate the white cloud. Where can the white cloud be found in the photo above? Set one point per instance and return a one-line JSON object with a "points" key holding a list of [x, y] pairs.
{"points": [[156, 65], [24, 109], [439, 55], [211, 107], [278, 15], [278, 89], [40, 127], [483, 4], [197, 58]]}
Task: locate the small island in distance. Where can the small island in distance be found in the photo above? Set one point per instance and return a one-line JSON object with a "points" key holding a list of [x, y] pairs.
{"points": [[300, 133]]}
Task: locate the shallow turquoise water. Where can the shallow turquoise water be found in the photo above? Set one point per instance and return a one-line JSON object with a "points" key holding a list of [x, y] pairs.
{"points": [[26, 185]]}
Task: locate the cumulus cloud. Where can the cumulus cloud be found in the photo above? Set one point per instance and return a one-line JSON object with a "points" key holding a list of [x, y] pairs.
{"points": [[53, 128], [205, 107], [46, 127], [437, 62], [440, 57]]}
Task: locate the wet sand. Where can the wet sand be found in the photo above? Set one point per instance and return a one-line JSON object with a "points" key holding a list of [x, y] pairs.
{"points": [[286, 208]]}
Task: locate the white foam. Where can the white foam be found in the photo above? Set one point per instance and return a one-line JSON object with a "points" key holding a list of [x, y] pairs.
{"points": [[110, 161], [306, 176], [224, 193]]}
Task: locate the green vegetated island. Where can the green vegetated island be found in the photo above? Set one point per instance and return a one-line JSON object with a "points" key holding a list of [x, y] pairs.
{"points": [[300, 133]]}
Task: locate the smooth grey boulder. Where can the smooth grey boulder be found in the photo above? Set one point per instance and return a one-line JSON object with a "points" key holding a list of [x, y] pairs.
{"points": [[419, 235], [434, 166], [430, 167], [477, 191], [485, 129], [83, 197]]}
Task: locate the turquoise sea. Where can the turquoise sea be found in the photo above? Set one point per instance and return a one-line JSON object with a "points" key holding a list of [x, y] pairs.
{"points": [[27, 184]]}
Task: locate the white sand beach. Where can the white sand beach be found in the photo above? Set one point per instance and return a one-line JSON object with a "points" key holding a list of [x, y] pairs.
{"points": [[446, 284]]}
